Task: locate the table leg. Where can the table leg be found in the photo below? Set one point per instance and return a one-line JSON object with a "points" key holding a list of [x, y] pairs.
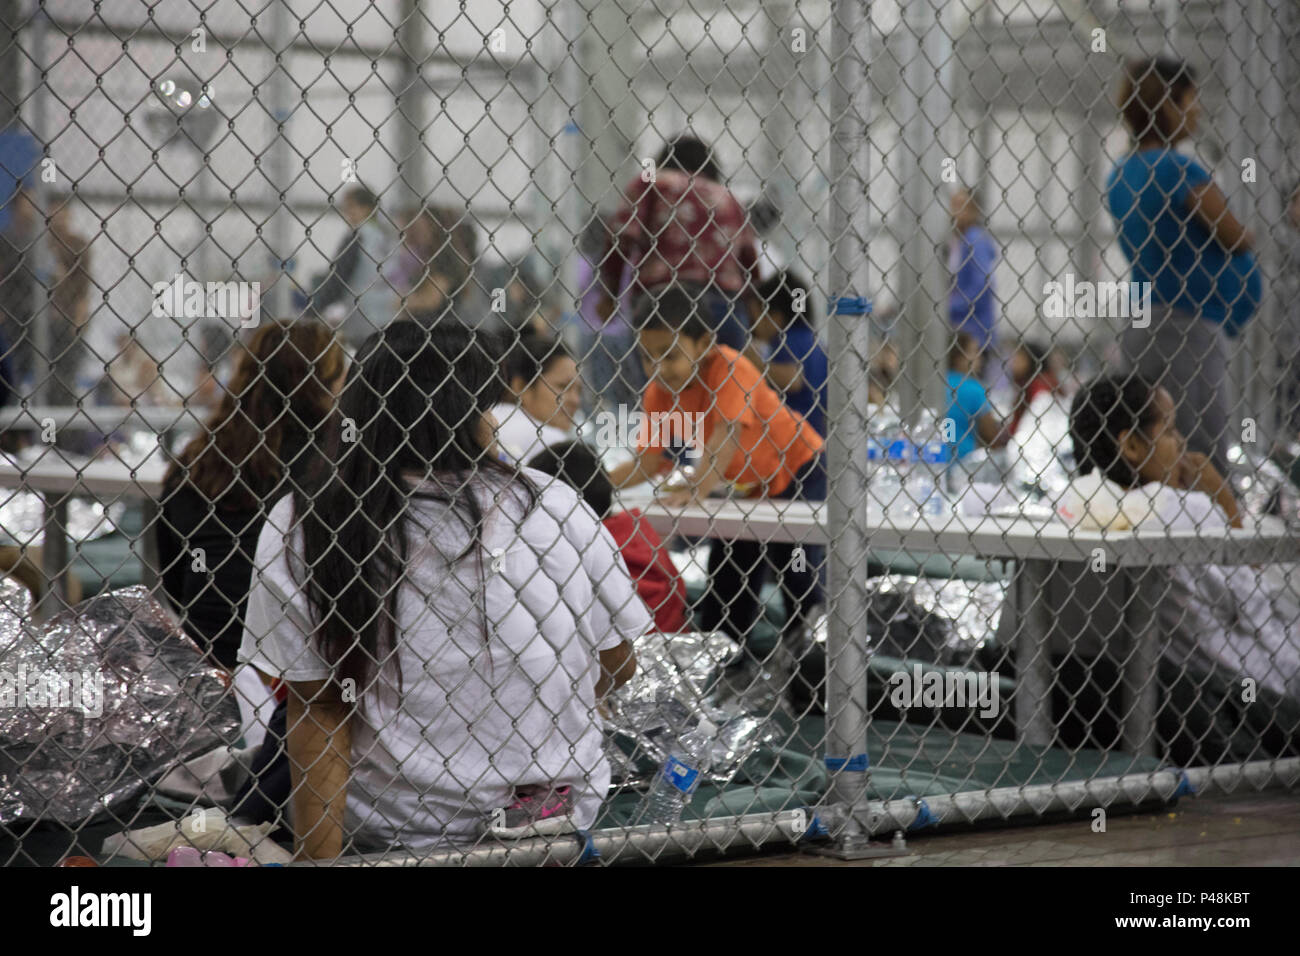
{"points": [[1033, 653], [147, 546], [1138, 724], [54, 556]]}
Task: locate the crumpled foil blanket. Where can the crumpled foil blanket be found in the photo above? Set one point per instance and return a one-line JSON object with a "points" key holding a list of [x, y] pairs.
{"points": [[678, 682], [942, 621], [97, 702]]}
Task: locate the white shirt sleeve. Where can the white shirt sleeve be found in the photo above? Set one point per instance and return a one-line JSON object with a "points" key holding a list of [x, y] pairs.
{"points": [[277, 625], [617, 613]]}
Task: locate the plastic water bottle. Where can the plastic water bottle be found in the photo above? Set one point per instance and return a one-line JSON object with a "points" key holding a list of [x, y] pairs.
{"points": [[895, 473], [926, 479], [887, 458], [678, 778]]}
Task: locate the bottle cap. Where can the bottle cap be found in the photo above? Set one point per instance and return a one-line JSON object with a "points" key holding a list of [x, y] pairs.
{"points": [[899, 450], [934, 454]]}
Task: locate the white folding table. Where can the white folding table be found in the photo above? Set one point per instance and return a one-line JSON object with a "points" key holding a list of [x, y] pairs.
{"points": [[1038, 547], [55, 480], [102, 418]]}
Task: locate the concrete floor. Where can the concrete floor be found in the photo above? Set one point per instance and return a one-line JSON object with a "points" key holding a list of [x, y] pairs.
{"points": [[1237, 830]]}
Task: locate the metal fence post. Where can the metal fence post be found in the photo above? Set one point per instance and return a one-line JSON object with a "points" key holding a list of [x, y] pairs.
{"points": [[846, 707], [926, 55], [40, 329], [279, 163]]}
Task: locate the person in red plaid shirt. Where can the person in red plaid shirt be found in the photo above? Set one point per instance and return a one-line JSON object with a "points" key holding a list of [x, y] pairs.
{"points": [[684, 228]]}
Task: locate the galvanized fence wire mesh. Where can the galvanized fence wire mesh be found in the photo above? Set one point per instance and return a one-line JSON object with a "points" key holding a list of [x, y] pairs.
{"points": [[450, 435]]}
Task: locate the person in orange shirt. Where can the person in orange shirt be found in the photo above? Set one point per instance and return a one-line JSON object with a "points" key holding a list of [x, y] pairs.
{"points": [[748, 437]]}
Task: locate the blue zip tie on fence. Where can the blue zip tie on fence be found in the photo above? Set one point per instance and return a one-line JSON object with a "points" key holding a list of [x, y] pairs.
{"points": [[858, 763], [924, 817], [848, 305], [1184, 788], [589, 852]]}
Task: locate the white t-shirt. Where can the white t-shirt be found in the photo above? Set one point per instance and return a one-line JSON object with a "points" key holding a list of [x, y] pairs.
{"points": [[1093, 501], [476, 718], [521, 437]]}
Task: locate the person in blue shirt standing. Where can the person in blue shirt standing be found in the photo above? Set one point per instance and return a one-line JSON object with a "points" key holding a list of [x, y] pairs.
{"points": [[974, 423], [1179, 236], [972, 257]]}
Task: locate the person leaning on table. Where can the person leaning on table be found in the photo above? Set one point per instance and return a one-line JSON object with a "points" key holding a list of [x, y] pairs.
{"points": [[1218, 624]]}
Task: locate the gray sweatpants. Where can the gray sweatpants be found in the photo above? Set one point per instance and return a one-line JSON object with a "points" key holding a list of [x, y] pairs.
{"points": [[1188, 357]]}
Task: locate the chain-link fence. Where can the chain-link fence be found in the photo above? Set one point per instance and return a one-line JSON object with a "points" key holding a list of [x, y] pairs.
{"points": [[582, 431]]}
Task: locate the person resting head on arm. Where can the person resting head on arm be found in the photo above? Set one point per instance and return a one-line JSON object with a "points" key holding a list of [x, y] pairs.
{"points": [[1126, 441], [642, 550]]}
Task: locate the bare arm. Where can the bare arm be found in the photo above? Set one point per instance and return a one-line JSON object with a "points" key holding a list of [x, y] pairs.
{"points": [[990, 432], [616, 668], [644, 467], [604, 307], [718, 452], [786, 377], [319, 746], [1208, 204], [1196, 472]]}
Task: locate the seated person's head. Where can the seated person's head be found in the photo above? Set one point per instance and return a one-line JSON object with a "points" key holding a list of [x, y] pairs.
{"points": [[673, 334], [577, 466], [964, 354], [424, 394], [1028, 361], [544, 379], [1124, 427], [358, 205], [282, 396], [778, 302]]}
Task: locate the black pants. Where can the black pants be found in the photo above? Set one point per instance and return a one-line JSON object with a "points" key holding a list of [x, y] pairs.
{"points": [[264, 797], [739, 569]]}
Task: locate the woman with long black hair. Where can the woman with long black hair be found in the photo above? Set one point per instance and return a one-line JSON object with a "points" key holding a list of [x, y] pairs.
{"points": [[446, 624]]}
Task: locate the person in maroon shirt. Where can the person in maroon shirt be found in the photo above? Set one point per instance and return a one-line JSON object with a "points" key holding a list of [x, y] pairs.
{"points": [[643, 551], [682, 227]]}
